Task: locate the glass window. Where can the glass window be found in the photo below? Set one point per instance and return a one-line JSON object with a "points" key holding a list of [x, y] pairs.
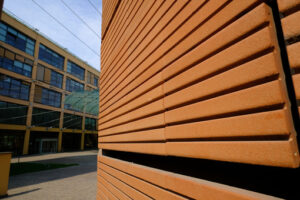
{"points": [[16, 66], [72, 121], [75, 70], [72, 85], [51, 98], [90, 124], [50, 57], [56, 79], [96, 81], [13, 113], [13, 37], [14, 88], [45, 118]]}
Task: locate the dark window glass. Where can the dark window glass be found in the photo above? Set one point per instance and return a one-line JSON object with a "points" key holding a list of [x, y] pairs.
{"points": [[72, 85], [72, 121], [90, 124], [50, 57], [75, 70], [14, 88], [45, 118], [56, 79], [16, 39], [51, 98], [12, 113], [96, 81], [16, 66]]}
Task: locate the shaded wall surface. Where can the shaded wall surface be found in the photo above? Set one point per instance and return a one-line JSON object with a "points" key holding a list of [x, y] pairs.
{"points": [[197, 95]]}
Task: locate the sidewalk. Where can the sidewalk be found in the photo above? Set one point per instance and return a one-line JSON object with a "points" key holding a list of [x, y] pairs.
{"points": [[76, 182]]}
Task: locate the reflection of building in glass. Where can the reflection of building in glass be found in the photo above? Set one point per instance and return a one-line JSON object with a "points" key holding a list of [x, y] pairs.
{"points": [[36, 75]]}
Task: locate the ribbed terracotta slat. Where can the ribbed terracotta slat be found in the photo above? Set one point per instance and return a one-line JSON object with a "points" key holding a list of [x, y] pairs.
{"points": [[148, 122], [128, 103], [154, 32], [138, 9], [293, 51], [250, 98], [131, 192], [115, 191], [142, 27], [147, 188], [129, 27], [273, 153], [257, 69], [179, 18], [135, 42], [296, 80], [285, 5], [147, 148], [108, 8], [140, 74], [147, 86], [148, 135], [148, 109], [106, 192], [245, 48], [188, 186], [195, 79], [119, 17], [257, 124], [291, 25], [238, 28]]}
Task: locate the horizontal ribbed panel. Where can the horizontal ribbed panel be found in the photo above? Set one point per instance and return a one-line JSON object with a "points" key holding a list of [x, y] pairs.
{"points": [[179, 76], [140, 182]]}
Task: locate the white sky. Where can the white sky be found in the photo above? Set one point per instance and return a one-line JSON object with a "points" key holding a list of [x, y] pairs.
{"points": [[33, 15]]}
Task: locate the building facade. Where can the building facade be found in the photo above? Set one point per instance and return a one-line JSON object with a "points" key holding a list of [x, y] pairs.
{"points": [[35, 77], [199, 100]]}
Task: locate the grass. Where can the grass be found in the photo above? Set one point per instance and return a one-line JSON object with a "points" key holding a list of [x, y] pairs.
{"points": [[28, 167]]}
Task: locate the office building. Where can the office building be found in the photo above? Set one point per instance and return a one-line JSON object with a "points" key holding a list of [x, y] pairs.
{"points": [[36, 75]]}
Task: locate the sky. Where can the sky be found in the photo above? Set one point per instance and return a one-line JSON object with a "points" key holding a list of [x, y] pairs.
{"points": [[29, 12]]}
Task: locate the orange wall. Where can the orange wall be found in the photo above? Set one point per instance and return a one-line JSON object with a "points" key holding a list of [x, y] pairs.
{"points": [[196, 79]]}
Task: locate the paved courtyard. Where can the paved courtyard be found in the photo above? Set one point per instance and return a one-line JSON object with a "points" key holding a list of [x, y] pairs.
{"points": [[75, 182]]}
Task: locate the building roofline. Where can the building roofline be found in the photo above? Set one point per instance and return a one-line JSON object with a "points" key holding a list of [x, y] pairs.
{"points": [[12, 15]]}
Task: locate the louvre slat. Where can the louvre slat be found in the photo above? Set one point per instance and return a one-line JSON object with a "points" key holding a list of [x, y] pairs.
{"points": [[147, 148], [188, 186], [148, 122], [138, 9], [147, 188], [144, 27], [285, 5], [238, 28], [255, 97], [257, 124], [242, 75], [140, 74], [154, 107], [293, 55], [137, 51], [131, 192], [237, 52], [291, 25], [296, 80], [115, 191], [274, 153], [127, 103]]}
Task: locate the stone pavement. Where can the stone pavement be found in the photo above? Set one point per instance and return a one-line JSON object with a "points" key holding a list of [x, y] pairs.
{"points": [[75, 182]]}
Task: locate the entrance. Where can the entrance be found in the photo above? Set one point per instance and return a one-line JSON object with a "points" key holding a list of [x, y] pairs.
{"points": [[47, 145]]}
